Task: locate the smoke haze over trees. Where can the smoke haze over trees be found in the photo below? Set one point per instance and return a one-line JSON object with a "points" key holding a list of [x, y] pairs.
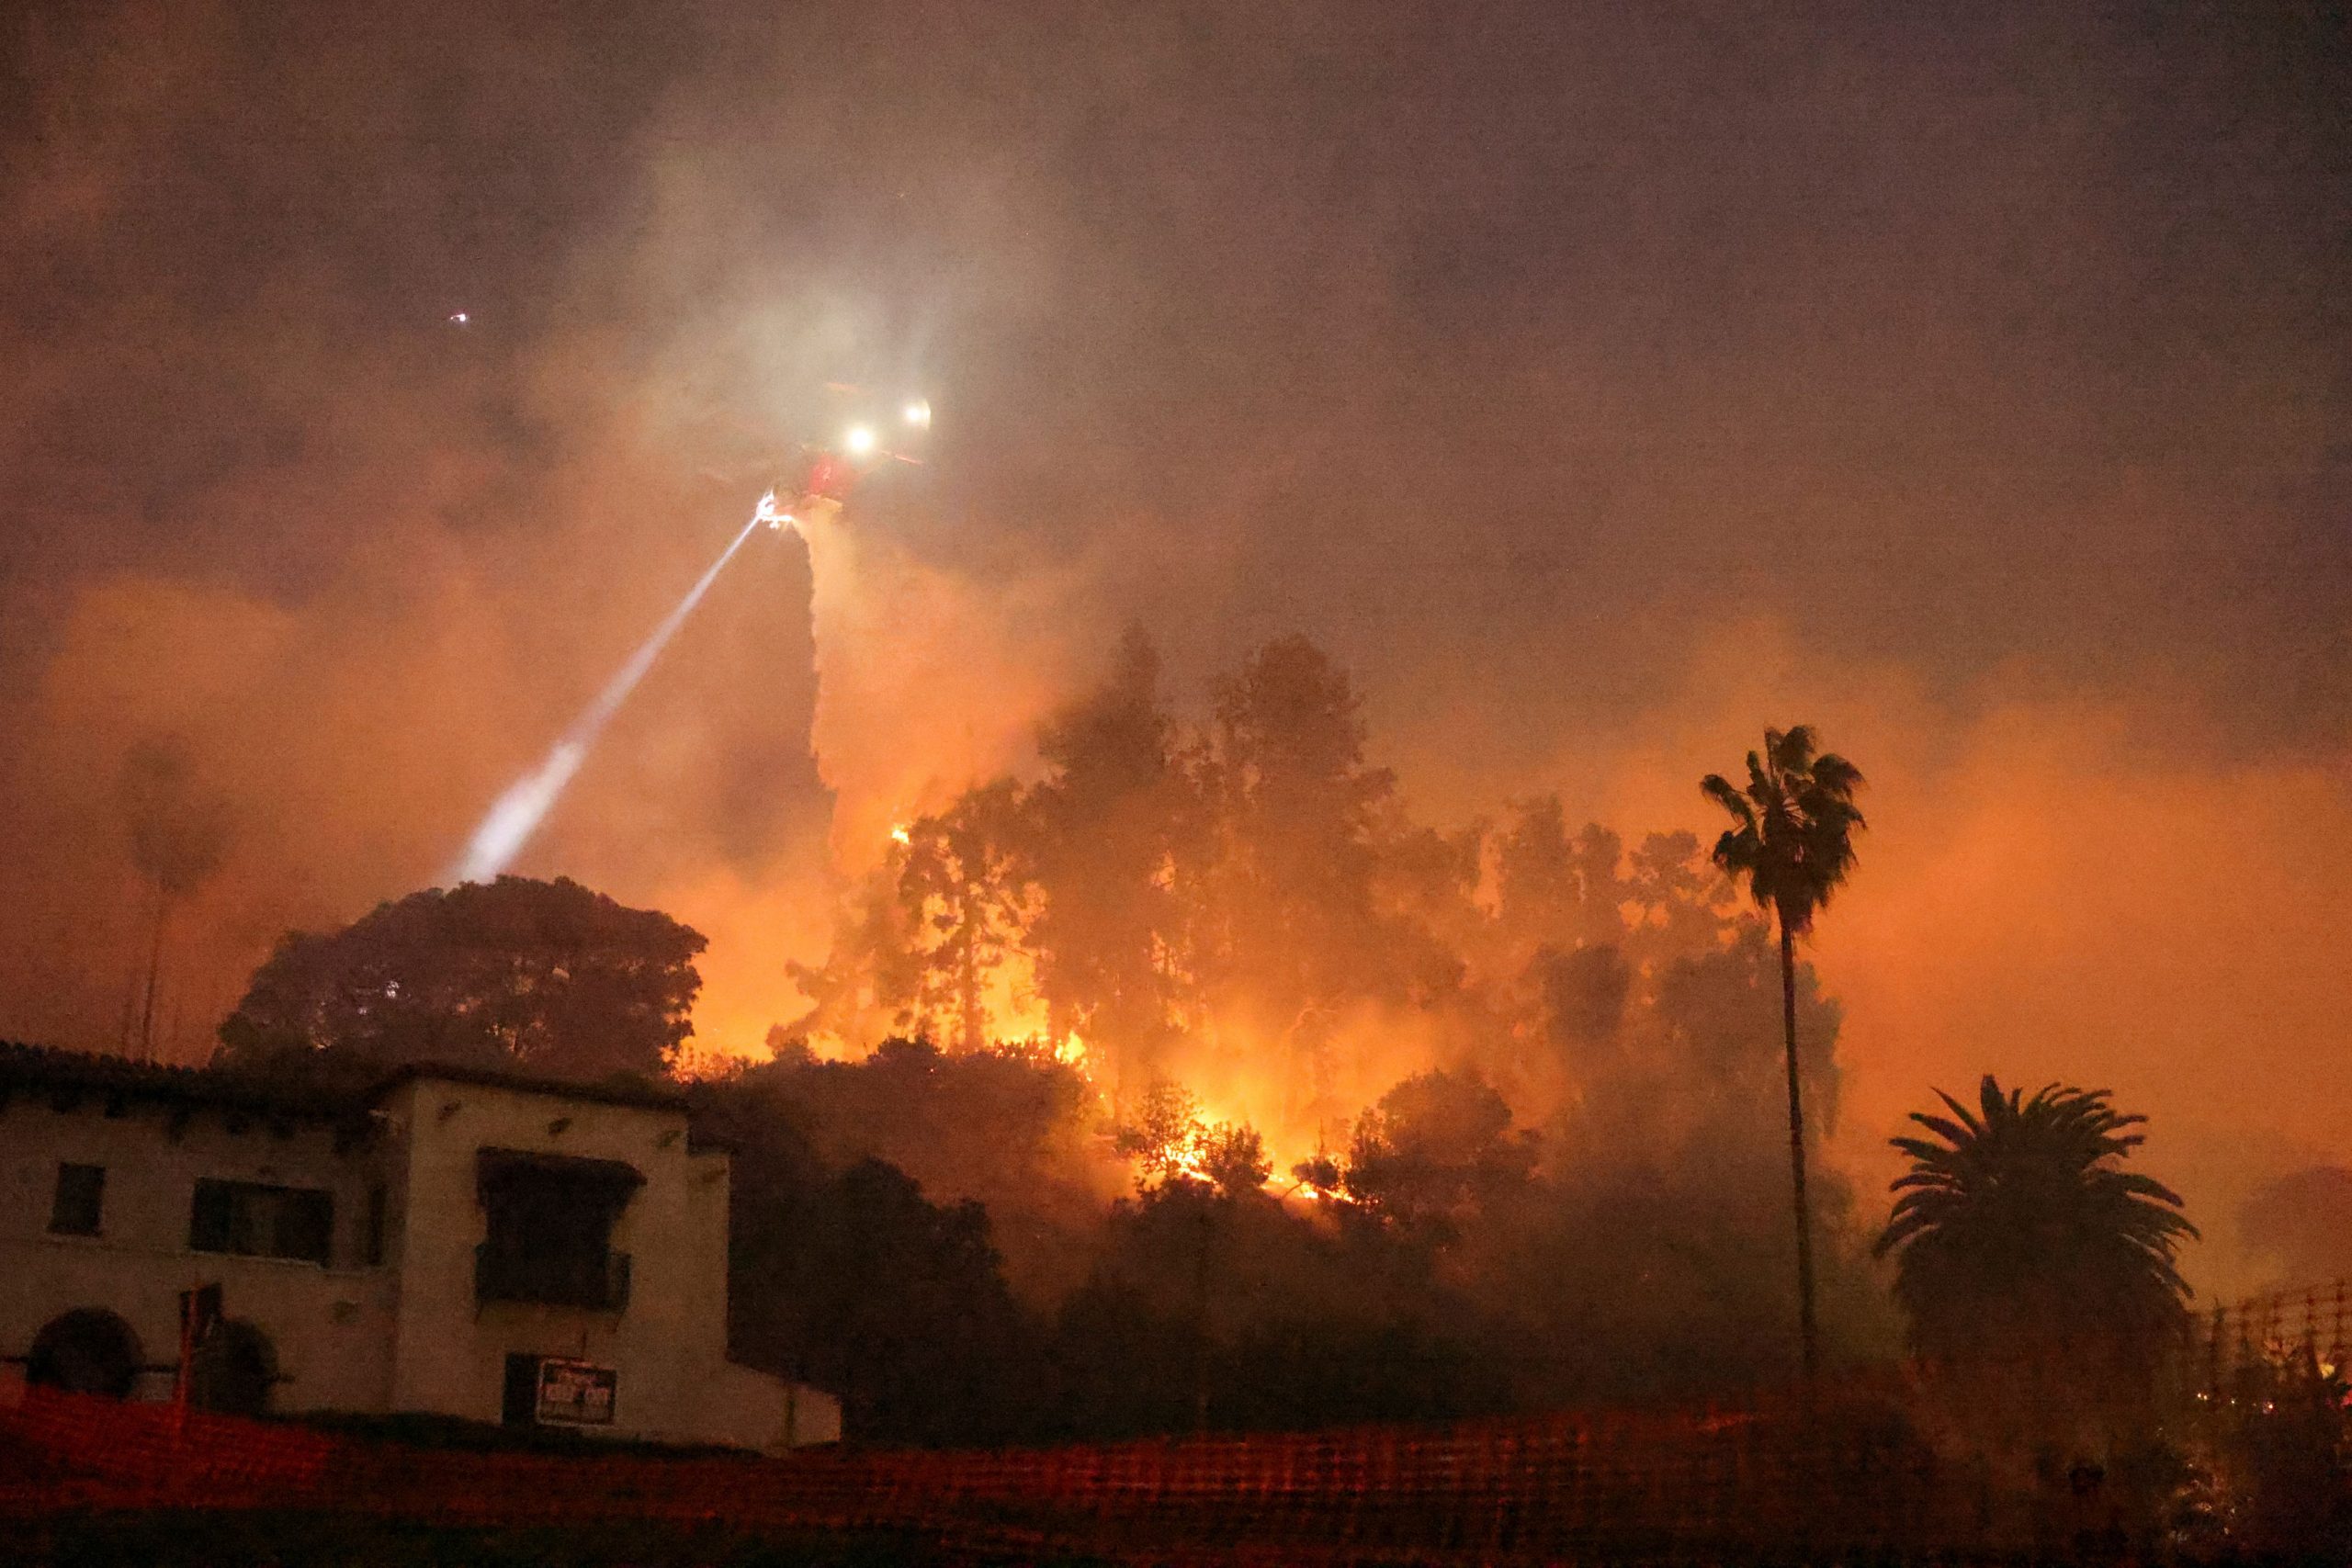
{"points": [[1239, 901], [1209, 961]]}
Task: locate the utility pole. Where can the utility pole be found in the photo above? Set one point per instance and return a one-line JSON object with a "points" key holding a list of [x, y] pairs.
{"points": [[1201, 1322]]}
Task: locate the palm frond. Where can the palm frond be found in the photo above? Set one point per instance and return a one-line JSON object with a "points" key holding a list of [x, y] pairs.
{"points": [[1967, 1118], [2022, 1216], [1717, 788], [1793, 825]]}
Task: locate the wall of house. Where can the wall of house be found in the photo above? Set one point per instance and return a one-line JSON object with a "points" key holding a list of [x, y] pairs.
{"points": [[329, 1327], [407, 1333], [668, 1345], [746, 1408]]}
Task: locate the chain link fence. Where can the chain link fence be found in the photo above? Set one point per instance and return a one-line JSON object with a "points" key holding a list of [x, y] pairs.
{"points": [[1862, 1465]]}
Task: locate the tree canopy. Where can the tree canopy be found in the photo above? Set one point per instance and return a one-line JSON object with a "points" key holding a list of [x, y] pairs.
{"points": [[1435, 1149], [1461, 1048], [1792, 825], [2018, 1229], [530, 976]]}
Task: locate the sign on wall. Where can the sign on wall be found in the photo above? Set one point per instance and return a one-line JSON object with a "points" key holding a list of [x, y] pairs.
{"points": [[576, 1394]]}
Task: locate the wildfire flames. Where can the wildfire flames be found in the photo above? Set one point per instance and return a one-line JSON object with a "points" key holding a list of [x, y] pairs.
{"points": [[1239, 942], [1174, 1137]]}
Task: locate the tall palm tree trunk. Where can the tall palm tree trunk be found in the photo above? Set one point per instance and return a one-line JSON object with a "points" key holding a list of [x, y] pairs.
{"points": [[1805, 1329]]}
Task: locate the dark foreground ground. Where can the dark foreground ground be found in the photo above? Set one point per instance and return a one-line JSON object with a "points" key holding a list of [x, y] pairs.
{"points": [[292, 1539], [309, 1539], [306, 1539], [1852, 1479]]}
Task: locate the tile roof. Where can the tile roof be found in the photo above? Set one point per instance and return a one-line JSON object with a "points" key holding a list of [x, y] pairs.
{"points": [[45, 1069]]}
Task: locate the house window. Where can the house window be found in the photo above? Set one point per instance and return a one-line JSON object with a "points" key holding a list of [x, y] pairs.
{"points": [[252, 1220], [79, 1207], [548, 1236]]}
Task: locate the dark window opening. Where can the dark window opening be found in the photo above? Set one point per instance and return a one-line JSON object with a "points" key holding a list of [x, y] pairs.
{"points": [[252, 1220], [550, 1229], [79, 1207]]}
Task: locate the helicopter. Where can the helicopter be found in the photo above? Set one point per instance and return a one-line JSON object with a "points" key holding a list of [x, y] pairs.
{"points": [[820, 478]]}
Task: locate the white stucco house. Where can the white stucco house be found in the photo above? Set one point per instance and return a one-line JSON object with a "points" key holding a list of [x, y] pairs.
{"points": [[447, 1242]]}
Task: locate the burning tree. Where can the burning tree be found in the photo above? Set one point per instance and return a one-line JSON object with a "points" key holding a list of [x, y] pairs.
{"points": [[1291, 929], [1250, 934], [1172, 1143], [1113, 823], [961, 881]]}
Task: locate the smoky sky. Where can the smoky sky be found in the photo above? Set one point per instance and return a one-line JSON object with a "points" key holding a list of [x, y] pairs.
{"points": [[1959, 334], [1572, 372]]}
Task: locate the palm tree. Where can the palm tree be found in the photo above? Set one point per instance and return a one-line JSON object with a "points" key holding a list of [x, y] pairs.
{"points": [[2018, 1229], [1791, 837]]}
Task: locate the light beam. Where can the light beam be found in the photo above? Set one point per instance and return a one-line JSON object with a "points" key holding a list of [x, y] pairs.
{"points": [[518, 812]]}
